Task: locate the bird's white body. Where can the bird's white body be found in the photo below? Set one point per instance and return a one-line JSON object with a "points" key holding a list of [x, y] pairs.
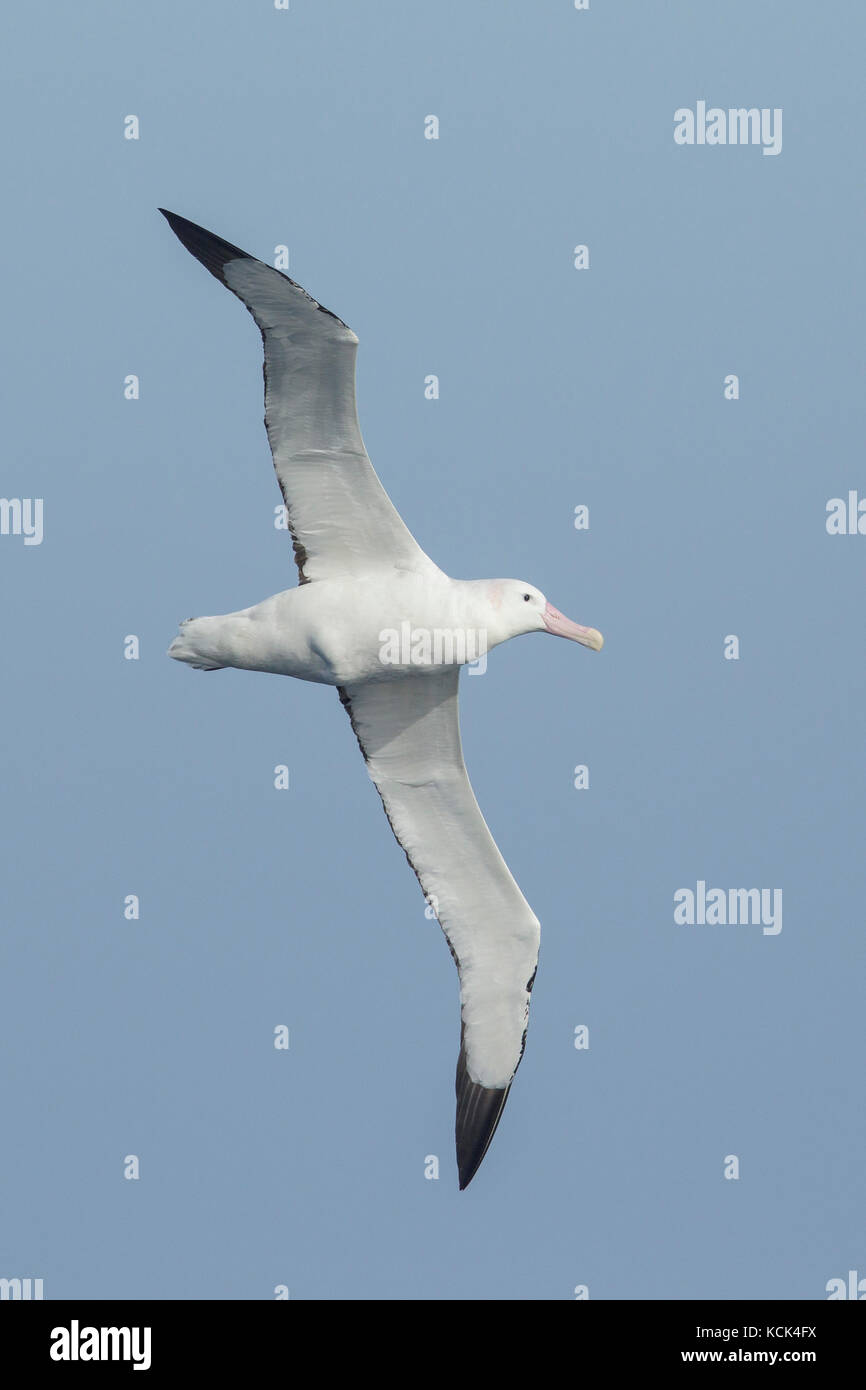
{"points": [[375, 617], [339, 632]]}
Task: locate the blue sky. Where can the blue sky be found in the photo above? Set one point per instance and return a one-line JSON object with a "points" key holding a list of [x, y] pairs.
{"points": [[559, 387]]}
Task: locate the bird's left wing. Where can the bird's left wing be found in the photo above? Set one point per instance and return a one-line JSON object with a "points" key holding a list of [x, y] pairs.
{"points": [[342, 522], [409, 734]]}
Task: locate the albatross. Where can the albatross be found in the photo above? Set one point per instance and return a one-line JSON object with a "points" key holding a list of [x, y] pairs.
{"points": [[363, 579]]}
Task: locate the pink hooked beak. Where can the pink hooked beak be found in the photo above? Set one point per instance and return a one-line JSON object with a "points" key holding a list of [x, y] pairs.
{"points": [[560, 626]]}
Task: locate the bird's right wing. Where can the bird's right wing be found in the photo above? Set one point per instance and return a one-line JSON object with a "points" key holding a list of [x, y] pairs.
{"points": [[342, 522], [409, 734]]}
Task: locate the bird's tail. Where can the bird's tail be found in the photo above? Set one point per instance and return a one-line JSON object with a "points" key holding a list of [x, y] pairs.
{"points": [[191, 645]]}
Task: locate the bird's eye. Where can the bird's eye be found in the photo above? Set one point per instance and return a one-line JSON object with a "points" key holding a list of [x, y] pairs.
{"points": [[527, 597]]}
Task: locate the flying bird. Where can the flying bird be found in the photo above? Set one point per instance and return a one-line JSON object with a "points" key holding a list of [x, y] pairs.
{"points": [[375, 617]]}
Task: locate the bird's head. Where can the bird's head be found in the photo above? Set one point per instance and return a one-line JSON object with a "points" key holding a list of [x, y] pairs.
{"points": [[518, 607]]}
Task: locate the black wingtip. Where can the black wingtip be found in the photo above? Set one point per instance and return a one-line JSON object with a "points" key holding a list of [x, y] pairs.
{"points": [[215, 254], [212, 251], [479, 1110]]}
